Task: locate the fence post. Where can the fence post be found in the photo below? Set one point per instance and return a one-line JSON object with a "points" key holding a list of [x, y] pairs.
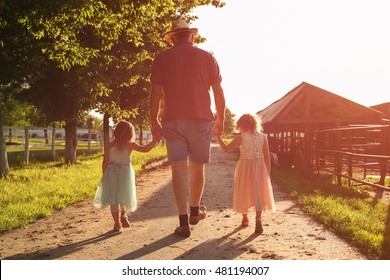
{"points": [[26, 145], [101, 141], [385, 135], [383, 163], [350, 171], [89, 141], [53, 148], [338, 157], [317, 146], [385, 141]]}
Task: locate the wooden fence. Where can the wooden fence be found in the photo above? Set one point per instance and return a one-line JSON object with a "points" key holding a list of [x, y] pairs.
{"points": [[34, 137], [355, 153], [30, 137]]}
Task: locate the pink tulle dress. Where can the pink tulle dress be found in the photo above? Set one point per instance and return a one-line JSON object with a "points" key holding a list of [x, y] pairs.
{"points": [[252, 184]]}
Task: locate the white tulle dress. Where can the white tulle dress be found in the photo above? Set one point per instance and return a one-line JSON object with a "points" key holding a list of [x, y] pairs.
{"points": [[252, 184], [117, 185]]}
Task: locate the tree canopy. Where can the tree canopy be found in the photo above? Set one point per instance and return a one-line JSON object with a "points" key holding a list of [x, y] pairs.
{"points": [[66, 57]]}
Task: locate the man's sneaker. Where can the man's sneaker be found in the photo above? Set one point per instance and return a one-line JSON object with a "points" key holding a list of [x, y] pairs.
{"points": [[183, 231], [201, 215]]}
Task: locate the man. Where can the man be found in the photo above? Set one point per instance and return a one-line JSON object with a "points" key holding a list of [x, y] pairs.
{"points": [[182, 77]]}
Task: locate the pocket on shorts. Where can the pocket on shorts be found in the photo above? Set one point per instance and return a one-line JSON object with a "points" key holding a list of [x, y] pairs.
{"points": [[204, 127], [169, 129]]}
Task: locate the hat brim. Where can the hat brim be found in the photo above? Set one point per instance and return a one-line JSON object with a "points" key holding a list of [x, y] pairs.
{"points": [[167, 36]]}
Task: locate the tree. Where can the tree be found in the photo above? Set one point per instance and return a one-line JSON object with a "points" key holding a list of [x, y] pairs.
{"points": [[229, 123], [63, 97], [79, 55], [71, 36], [41, 38], [128, 62], [7, 104], [20, 63]]}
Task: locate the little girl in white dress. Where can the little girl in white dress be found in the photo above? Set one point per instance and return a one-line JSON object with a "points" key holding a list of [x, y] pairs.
{"points": [[252, 184]]}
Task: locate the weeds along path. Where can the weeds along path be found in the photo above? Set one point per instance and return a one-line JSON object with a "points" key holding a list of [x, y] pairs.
{"points": [[81, 232]]}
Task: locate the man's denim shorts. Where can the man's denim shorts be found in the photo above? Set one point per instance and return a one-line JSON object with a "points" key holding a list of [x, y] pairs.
{"points": [[188, 139]]}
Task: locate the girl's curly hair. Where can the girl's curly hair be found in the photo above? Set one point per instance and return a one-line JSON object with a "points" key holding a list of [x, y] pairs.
{"points": [[249, 122]]}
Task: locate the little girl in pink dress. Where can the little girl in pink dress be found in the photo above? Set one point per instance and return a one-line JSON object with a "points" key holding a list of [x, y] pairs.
{"points": [[252, 184]]}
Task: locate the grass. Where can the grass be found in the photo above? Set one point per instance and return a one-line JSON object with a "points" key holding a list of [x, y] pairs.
{"points": [[43, 154], [38, 189], [355, 216]]}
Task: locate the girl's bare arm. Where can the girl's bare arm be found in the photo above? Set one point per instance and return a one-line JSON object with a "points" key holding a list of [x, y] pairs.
{"points": [[106, 158], [232, 145], [143, 149]]}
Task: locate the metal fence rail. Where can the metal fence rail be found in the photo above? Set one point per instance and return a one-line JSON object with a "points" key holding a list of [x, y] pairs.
{"points": [[346, 152], [344, 164]]}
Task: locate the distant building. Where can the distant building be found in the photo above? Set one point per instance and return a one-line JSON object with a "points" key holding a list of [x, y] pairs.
{"points": [[290, 120]]}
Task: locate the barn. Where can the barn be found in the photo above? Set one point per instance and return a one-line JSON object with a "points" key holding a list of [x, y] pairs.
{"points": [[384, 108], [290, 121]]}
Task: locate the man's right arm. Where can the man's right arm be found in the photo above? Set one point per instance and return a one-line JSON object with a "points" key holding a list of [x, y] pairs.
{"points": [[155, 98]]}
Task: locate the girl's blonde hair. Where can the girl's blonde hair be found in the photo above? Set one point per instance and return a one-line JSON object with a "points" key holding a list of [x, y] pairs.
{"points": [[248, 122], [123, 134]]}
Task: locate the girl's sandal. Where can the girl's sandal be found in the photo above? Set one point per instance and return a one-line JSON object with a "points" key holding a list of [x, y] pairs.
{"points": [[117, 228], [259, 227], [245, 222], [125, 222]]}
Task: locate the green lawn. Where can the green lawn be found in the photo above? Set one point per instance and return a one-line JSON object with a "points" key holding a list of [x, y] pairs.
{"points": [[36, 190], [42, 153]]}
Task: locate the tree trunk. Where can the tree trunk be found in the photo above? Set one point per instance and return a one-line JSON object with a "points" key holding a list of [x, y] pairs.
{"points": [[70, 141], [10, 136], [46, 136], [26, 145], [106, 131], [4, 167], [141, 135]]}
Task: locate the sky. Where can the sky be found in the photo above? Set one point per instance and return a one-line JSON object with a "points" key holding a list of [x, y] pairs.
{"points": [[265, 48]]}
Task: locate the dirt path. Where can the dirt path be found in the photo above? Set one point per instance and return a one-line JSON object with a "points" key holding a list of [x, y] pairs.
{"points": [[81, 232]]}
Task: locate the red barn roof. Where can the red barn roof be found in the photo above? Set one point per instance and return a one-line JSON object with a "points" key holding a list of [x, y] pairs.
{"points": [[308, 105]]}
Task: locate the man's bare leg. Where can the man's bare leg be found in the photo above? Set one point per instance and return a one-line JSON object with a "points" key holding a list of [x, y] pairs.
{"points": [[180, 191], [197, 181], [180, 185]]}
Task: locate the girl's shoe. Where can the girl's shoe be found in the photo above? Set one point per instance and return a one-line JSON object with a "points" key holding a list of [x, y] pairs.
{"points": [[117, 228], [259, 227], [245, 222], [125, 222]]}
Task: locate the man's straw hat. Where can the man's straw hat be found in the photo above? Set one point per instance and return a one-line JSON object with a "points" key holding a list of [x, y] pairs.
{"points": [[179, 26]]}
